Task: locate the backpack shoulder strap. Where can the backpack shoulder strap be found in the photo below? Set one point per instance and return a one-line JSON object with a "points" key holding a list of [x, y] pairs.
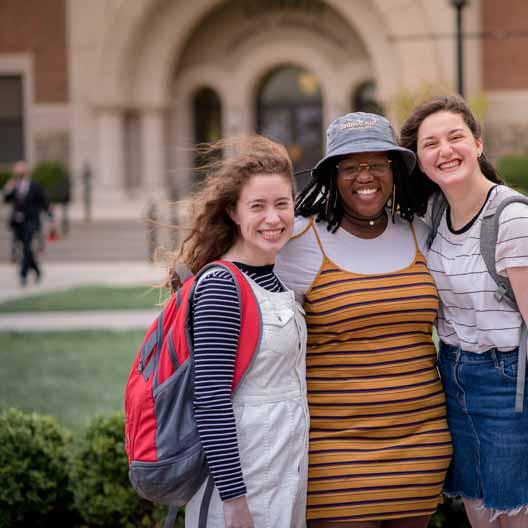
{"points": [[489, 232], [488, 241], [250, 318], [438, 207]]}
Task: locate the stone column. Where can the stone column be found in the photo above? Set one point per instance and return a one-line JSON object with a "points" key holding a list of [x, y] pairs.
{"points": [[153, 153], [110, 178]]}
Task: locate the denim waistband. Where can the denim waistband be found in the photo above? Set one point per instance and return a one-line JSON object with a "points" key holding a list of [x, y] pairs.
{"points": [[452, 351]]}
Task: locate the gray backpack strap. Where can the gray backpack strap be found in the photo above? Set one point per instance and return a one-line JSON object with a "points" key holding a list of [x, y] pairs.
{"points": [[172, 517], [489, 232], [438, 207], [521, 369]]}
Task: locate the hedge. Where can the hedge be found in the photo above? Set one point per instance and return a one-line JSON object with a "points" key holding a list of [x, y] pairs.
{"points": [[51, 478], [99, 479], [34, 487], [54, 177], [514, 171]]}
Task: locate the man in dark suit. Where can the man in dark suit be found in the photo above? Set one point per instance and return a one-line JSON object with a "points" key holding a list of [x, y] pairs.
{"points": [[29, 201]]}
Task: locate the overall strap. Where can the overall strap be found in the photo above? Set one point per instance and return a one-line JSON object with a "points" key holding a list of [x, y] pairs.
{"points": [[489, 232]]}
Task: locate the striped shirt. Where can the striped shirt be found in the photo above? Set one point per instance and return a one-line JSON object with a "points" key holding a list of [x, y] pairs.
{"points": [[216, 329], [469, 315]]}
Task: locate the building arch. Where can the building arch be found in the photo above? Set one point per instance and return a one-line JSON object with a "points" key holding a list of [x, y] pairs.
{"points": [[138, 55]]}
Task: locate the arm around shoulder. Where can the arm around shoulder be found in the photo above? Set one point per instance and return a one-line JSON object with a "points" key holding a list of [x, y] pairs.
{"points": [[300, 259]]}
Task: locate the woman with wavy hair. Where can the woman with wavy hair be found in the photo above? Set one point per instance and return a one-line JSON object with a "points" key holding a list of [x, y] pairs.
{"points": [[255, 441], [482, 346]]}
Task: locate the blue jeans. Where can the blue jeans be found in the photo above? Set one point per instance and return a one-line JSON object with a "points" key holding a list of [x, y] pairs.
{"points": [[490, 440]]}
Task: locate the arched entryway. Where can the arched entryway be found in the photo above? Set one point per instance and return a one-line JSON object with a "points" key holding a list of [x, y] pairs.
{"points": [[289, 109]]}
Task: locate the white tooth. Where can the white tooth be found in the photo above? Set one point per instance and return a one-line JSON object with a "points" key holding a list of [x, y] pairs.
{"points": [[449, 165]]}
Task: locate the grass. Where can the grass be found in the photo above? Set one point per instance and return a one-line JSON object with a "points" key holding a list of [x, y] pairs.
{"points": [[70, 375], [86, 298]]}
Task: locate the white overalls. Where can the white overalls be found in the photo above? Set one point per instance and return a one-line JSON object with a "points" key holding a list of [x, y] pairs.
{"points": [[272, 420]]}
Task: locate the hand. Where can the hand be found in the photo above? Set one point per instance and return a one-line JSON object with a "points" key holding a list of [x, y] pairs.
{"points": [[237, 514], [10, 185]]}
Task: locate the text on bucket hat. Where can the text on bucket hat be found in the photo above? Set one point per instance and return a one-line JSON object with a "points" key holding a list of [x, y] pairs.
{"points": [[361, 132]]}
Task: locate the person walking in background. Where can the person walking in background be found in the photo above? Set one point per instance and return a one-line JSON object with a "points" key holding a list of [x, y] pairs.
{"points": [[29, 200], [379, 442], [256, 440], [480, 334]]}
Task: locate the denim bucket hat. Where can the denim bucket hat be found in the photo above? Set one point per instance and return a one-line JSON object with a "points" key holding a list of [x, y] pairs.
{"points": [[361, 132]]}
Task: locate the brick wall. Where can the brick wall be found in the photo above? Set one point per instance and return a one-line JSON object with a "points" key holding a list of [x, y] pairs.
{"points": [[505, 44], [38, 27]]}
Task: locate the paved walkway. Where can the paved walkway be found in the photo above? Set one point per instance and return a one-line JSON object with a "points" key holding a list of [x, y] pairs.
{"points": [[53, 321], [59, 276]]}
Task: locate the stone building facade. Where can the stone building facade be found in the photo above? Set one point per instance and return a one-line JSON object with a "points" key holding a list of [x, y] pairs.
{"points": [[127, 87]]}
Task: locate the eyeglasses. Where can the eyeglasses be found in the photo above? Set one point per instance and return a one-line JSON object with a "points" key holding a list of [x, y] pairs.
{"points": [[350, 171]]}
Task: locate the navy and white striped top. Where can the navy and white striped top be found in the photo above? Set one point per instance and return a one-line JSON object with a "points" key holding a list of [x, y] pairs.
{"points": [[216, 329]]}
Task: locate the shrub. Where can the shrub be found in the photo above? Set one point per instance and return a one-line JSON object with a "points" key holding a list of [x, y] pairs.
{"points": [[53, 176], [33, 471], [449, 514], [99, 479], [4, 176], [514, 171]]}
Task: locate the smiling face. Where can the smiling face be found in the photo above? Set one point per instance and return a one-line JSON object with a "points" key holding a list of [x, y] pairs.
{"points": [[264, 214], [447, 150], [365, 195]]}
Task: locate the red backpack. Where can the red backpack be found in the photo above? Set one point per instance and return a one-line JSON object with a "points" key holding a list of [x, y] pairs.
{"points": [[166, 459]]}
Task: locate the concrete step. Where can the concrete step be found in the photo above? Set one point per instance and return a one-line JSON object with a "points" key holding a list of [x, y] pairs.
{"points": [[109, 240]]}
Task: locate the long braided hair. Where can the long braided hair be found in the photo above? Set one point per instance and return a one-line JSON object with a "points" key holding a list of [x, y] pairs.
{"points": [[320, 197]]}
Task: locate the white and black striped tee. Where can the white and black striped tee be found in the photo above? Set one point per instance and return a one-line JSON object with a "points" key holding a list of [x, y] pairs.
{"points": [[216, 329], [470, 316]]}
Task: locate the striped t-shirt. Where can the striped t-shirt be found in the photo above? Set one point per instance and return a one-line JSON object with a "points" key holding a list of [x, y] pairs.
{"points": [[216, 329], [470, 316]]}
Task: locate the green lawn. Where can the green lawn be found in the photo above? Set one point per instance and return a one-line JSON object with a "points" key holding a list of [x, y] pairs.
{"points": [[87, 298], [71, 375]]}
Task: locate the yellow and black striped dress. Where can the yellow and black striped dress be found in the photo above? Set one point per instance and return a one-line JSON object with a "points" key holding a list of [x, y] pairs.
{"points": [[379, 443]]}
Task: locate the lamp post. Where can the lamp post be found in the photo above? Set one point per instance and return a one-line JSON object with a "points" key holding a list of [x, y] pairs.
{"points": [[459, 6]]}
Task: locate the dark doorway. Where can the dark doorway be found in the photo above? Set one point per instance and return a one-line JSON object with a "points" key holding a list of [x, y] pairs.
{"points": [[365, 99], [207, 111], [11, 119], [289, 110]]}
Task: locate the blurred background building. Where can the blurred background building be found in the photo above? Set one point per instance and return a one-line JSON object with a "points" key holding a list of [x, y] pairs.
{"points": [[123, 88]]}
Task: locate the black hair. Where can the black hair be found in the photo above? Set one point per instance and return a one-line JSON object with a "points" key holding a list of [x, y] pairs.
{"points": [[320, 197]]}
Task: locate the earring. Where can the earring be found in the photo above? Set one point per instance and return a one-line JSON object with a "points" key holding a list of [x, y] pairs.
{"points": [[393, 200]]}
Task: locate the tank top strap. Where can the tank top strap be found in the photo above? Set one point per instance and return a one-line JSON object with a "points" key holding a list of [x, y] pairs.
{"points": [[418, 256], [318, 238]]}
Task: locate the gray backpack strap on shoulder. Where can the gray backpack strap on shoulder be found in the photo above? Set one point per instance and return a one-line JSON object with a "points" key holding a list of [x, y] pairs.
{"points": [[489, 232], [439, 205]]}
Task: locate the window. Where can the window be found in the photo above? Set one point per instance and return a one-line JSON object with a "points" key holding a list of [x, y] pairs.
{"points": [[11, 119], [365, 99]]}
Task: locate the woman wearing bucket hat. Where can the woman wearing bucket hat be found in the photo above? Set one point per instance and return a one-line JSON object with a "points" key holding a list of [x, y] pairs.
{"points": [[379, 442]]}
